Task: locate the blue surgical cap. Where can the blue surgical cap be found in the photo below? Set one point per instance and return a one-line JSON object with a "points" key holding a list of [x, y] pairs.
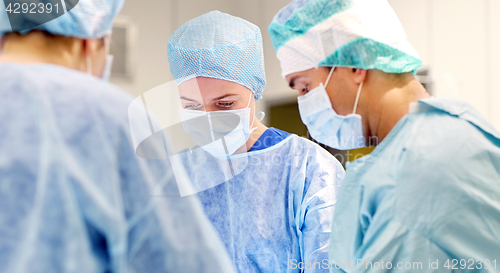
{"points": [[364, 34], [218, 45], [84, 19]]}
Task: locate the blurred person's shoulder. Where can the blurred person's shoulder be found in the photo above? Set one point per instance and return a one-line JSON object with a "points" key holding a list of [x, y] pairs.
{"points": [[64, 87]]}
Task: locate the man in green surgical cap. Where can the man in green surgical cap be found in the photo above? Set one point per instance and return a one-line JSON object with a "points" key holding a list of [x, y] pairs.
{"points": [[428, 196]]}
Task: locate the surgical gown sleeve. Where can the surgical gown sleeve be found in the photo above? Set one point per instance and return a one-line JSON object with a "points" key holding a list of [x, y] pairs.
{"points": [[318, 195], [168, 233]]}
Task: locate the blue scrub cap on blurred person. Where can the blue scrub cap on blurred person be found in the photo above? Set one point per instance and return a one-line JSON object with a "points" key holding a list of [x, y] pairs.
{"points": [[218, 45], [84, 19], [364, 34]]}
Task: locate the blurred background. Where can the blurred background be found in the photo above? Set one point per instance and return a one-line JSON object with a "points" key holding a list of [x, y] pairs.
{"points": [[458, 41]]}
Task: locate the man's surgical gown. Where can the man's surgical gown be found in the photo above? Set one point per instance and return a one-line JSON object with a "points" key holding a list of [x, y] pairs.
{"points": [[426, 199]]}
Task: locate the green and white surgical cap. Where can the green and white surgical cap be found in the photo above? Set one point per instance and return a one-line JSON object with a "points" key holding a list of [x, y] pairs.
{"points": [[364, 34]]}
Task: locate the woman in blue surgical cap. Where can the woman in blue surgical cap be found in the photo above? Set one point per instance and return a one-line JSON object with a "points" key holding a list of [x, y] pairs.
{"points": [[269, 194], [74, 197]]}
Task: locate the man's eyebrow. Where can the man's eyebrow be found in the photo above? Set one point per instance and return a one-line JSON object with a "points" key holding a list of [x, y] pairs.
{"points": [[224, 96]]}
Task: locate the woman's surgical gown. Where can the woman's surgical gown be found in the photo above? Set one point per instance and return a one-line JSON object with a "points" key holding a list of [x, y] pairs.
{"points": [[274, 211]]}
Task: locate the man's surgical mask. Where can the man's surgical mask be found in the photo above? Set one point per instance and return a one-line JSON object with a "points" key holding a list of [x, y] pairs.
{"points": [[325, 125], [220, 133]]}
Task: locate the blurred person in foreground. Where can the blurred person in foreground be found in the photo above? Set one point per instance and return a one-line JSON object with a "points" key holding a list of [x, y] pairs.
{"points": [[74, 197]]}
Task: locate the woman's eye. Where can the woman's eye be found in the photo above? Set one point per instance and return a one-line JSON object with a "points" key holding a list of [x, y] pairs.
{"points": [[193, 106], [224, 104]]}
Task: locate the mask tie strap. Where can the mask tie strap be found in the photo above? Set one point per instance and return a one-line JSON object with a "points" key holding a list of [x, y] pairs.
{"points": [[253, 117], [261, 115], [329, 76], [357, 98], [249, 99], [89, 60]]}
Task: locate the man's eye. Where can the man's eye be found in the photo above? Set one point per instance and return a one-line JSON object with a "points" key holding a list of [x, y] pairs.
{"points": [[304, 90]]}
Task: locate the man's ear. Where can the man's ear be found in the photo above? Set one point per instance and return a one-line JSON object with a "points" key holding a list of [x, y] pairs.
{"points": [[359, 75]]}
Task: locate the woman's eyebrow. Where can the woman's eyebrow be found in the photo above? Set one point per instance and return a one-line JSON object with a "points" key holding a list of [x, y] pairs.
{"points": [[224, 96], [188, 99]]}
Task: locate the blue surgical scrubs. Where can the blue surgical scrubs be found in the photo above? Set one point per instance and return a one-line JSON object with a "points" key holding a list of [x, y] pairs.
{"points": [[272, 206], [269, 138]]}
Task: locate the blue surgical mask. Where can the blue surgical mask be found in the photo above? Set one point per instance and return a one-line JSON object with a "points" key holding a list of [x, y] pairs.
{"points": [[220, 133], [325, 125]]}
